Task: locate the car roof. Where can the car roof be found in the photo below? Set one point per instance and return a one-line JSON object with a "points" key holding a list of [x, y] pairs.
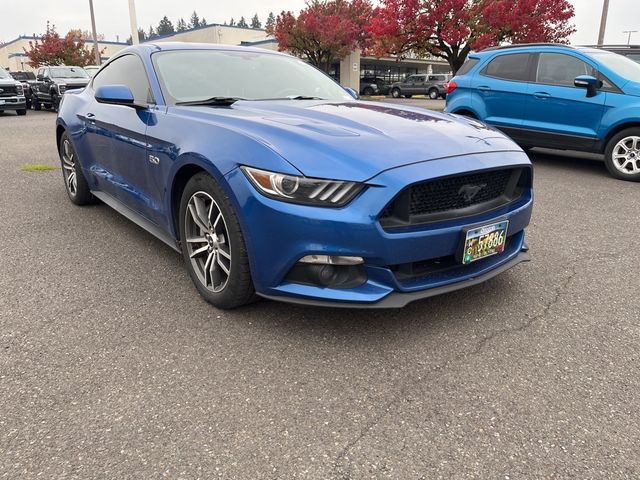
{"points": [[152, 47], [533, 47]]}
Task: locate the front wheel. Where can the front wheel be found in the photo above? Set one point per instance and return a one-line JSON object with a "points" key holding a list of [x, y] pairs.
{"points": [[434, 94], [368, 91], [213, 246], [395, 93], [622, 155]]}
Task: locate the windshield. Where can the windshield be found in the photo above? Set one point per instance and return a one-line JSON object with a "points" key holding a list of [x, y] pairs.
{"points": [[68, 72], [4, 73], [192, 75], [23, 76], [619, 64]]}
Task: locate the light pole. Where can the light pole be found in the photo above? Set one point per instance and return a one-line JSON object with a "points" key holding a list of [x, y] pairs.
{"points": [[603, 22], [629, 37], [133, 22], [96, 49]]}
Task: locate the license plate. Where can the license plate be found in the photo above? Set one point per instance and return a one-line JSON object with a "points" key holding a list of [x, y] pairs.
{"points": [[482, 242]]}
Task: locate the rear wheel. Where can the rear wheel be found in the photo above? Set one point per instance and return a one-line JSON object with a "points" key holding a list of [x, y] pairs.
{"points": [[368, 91], [622, 155], [395, 93], [213, 246], [74, 181], [434, 94]]}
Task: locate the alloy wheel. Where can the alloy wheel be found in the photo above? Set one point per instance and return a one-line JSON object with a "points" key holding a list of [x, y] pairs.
{"points": [[69, 167], [207, 241], [626, 155]]}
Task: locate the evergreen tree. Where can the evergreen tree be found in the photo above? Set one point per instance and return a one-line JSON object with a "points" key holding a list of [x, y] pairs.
{"points": [[242, 23], [255, 22], [151, 34], [181, 26], [165, 27], [195, 20], [203, 22], [271, 21], [232, 22]]}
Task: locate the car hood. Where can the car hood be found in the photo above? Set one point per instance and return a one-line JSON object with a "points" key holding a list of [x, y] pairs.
{"points": [[72, 81], [353, 140], [7, 82]]}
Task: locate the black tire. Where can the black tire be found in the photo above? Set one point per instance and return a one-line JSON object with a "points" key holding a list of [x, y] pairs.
{"points": [[55, 101], [395, 93], [632, 159], [433, 94], [29, 104], [408, 96], [21, 112], [37, 106], [78, 193], [237, 290], [368, 91]]}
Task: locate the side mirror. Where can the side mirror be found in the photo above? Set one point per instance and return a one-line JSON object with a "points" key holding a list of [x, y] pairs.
{"points": [[115, 95], [592, 84], [352, 92]]}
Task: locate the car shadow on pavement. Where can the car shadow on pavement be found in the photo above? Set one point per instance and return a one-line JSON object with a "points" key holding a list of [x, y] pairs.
{"points": [[570, 161]]}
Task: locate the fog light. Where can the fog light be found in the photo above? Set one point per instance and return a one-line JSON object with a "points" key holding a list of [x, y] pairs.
{"points": [[328, 271], [332, 260]]}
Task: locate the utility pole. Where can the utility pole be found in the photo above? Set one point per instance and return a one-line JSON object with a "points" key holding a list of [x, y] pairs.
{"points": [[603, 22], [133, 22], [629, 37], [96, 49]]}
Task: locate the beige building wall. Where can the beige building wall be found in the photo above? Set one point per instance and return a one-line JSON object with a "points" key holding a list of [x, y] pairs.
{"points": [[221, 34]]}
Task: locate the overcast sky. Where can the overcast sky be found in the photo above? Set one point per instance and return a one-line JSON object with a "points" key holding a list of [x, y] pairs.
{"points": [[28, 17]]}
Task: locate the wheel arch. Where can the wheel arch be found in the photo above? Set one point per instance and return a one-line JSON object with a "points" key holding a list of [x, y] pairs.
{"points": [[617, 129], [467, 113]]}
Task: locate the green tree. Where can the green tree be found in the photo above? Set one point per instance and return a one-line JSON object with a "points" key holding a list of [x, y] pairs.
{"points": [[270, 23], [165, 27], [151, 34], [194, 22], [141, 36], [232, 22], [181, 26], [255, 22], [203, 22], [242, 23]]}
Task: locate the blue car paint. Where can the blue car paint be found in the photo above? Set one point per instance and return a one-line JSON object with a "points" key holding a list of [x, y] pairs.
{"points": [[388, 147], [565, 110]]}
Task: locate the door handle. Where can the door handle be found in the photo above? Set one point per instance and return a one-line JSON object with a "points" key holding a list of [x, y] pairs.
{"points": [[542, 95], [90, 118], [484, 88]]}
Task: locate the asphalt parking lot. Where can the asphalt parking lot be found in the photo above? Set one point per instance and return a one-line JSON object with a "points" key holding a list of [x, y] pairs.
{"points": [[111, 366]]}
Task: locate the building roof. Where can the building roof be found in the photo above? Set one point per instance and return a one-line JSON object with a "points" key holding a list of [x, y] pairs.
{"points": [[33, 37]]}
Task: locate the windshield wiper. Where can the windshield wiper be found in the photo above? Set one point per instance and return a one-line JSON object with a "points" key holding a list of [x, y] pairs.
{"points": [[213, 101]]}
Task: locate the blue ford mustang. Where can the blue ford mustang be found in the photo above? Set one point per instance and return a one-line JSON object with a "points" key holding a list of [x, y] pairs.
{"points": [[271, 179]]}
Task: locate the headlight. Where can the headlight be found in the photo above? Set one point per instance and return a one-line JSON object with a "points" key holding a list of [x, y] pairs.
{"points": [[61, 88], [308, 191], [19, 89]]}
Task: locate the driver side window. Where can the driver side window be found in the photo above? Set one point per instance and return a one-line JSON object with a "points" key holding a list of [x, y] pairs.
{"points": [[127, 70]]}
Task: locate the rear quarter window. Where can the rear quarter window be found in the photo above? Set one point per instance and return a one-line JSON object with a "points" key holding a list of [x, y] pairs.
{"points": [[467, 66]]}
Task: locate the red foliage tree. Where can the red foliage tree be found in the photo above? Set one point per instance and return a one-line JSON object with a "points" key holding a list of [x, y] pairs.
{"points": [[52, 49], [450, 29], [325, 30]]}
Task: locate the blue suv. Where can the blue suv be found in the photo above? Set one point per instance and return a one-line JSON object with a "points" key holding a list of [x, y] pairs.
{"points": [[556, 96]]}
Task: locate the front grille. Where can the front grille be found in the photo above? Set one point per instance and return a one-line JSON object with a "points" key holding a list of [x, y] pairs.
{"points": [[9, 91], [455, 197]]}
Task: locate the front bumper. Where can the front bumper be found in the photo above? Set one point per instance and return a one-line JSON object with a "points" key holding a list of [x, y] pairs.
{"points": [[279, 234], [18, 102]]}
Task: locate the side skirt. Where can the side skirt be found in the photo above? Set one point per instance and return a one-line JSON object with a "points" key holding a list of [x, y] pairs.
{"points": [[138, 219], [536, 138]]}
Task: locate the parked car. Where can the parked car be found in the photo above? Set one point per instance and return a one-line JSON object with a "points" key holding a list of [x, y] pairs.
{"points": [[556, 96], [11, 94], [289, 187], [374, 86], [92, 69], [53, 82], [27, 79], [631, 51], [431, 85]]}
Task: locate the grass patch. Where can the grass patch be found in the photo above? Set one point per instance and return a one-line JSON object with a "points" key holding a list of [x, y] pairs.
{"points": [[37, 167]]}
